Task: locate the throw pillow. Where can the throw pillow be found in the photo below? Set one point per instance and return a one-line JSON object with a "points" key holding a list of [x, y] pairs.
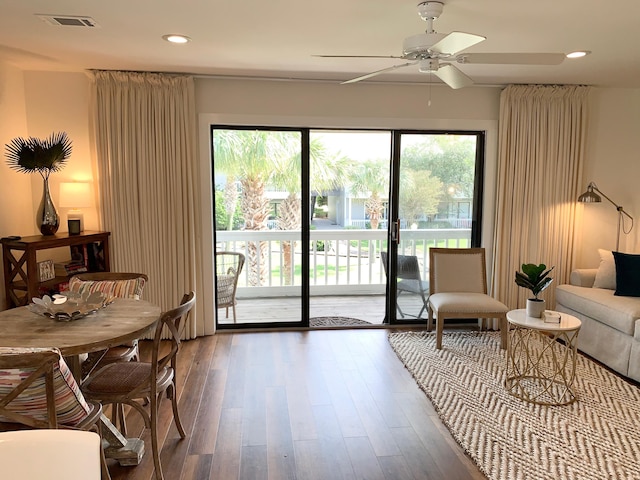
{"points": [[71, 406], [112, 288], [606, 274], [627, 274]]}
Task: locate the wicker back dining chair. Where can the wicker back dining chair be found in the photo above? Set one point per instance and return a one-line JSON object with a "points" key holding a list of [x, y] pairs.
{"points": [[112, 284], [228, 268], [38, 391], [458, 282], [141, 384]]}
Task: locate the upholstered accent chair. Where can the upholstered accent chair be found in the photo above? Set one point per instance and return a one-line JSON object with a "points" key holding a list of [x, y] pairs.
{"points": [[141, 384], [112, 284], [38, 391], [458, 282]]}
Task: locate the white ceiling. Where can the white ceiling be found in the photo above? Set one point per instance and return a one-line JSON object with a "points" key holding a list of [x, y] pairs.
{"points": [[279, 38]]}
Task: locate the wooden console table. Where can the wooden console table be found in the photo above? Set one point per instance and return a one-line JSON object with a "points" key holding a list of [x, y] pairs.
{"points": [[20, 265]]}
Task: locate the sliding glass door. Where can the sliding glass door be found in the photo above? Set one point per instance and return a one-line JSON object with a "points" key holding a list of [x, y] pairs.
{"points": [[325, 228]]}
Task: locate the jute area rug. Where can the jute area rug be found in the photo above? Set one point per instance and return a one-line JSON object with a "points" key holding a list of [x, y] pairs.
{"points": [[336, 322], [596, 437]]}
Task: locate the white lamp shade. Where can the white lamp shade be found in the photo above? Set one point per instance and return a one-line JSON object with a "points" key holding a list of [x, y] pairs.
{"points": [[76, 195]]}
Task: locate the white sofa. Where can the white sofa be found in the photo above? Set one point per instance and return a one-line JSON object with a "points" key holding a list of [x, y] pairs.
{"points": [[610, 330]]}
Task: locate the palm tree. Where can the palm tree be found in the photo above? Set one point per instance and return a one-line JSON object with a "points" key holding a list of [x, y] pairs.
{"points": [[372, 178], [251, 156], [327, 172]]}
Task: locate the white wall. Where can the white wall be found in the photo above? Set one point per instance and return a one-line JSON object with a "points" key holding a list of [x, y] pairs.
{"points": [[613, 163]]}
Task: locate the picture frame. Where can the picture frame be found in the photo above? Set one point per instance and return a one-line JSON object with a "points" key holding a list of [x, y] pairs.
{"points": [[46, 270]]}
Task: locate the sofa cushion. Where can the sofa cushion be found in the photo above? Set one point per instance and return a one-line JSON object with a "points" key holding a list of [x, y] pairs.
{"points": [[627, 274], [602, 305], [606, 274]]}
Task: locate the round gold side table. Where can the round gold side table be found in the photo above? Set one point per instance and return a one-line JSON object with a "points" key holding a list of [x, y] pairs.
{"points": [[541, 358]]}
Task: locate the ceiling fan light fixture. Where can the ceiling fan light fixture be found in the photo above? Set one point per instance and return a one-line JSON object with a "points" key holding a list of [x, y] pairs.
{"points": [[578, 54], [176, 38], [428, 65]]}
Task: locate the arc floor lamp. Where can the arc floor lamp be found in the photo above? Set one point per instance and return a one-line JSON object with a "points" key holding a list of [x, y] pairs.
{"points": [[590, 196]]}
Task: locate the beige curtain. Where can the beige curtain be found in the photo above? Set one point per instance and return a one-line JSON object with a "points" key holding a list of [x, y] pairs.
{"points": [[540, 156], [145, 144]]}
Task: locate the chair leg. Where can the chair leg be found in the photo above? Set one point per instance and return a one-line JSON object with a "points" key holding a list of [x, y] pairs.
{"points": [[104, 471], [439, 330], [123, 420], [176, 415], [234, 312], [429, 319], [504, 333], [398, 305], [154, 437]]}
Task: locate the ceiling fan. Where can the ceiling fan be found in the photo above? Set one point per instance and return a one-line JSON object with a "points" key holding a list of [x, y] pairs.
{"points": [[433, 52]]}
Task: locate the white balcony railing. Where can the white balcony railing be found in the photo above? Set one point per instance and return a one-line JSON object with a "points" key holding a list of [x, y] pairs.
{"points": [[341, 261]]}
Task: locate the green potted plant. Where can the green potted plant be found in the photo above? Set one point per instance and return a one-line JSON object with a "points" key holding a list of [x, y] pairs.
{"points": [[44, 156], [535, 278]]}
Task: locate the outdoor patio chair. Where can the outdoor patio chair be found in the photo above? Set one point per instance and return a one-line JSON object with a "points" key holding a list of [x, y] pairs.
{"points": [[408, 280], [458, 281], [228, 268]]}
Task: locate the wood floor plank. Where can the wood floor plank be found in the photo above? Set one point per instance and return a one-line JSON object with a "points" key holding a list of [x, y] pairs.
{"points": [[226, 457], [333, 449], [280, 451], [253, 463], [197, 467], [364, 460]]}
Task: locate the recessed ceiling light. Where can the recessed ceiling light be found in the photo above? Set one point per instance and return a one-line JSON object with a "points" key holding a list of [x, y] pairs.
{"points": [[175, 38], [578, 54]]}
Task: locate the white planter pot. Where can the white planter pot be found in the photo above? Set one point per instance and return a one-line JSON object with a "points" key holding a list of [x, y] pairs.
{"points": [[535, 307]]}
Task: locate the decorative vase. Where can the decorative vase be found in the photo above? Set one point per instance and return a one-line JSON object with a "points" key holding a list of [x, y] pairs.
{"points": [[48, 219], [535, 307]]}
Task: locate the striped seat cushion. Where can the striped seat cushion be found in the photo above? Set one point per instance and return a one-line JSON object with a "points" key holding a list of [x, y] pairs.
{"points": [[71, 406], [112, 288]]}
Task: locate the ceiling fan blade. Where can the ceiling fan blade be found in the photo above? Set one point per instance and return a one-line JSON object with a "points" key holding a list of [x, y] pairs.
{"points": [[378, 72], [512, 58], [357, 56], [456, 42], [452, 76]]}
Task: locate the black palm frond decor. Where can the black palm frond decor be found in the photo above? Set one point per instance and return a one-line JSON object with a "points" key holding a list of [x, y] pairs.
{"points": [[28, 155]]}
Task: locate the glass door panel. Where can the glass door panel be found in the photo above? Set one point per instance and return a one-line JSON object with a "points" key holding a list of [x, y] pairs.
{"points": [[437, 191], [349, 196], [258, 219]]}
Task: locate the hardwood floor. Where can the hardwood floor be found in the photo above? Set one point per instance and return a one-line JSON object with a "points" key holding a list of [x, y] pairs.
{"points": [[306, 405]]}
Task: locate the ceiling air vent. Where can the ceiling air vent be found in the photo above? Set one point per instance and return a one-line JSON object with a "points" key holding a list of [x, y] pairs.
{"points": [[68, 21]]}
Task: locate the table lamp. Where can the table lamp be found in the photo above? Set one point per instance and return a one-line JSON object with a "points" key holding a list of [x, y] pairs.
{"points": [[75, 195], [590, 196]]}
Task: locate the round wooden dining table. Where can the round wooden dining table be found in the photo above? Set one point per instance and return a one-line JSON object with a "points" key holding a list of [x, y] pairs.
{"points": [[122, 321]]}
